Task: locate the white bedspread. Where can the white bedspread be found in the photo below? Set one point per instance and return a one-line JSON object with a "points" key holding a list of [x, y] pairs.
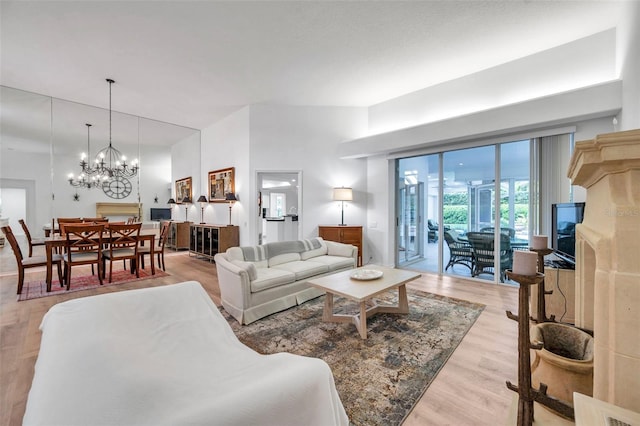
{"points": [[166, 356]]}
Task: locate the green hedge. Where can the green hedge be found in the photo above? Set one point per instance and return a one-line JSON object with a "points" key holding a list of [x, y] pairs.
{"points": [[458, 215]]}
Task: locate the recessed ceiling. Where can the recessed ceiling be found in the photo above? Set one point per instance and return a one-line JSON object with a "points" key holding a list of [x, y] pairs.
{"points": [[193, 62]]}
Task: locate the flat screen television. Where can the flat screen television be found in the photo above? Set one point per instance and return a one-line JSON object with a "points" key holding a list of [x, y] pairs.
{"points": [[564, 218], [160, 213]]}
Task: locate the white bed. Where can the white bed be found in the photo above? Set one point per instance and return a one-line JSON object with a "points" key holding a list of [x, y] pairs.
{"points": [[166, 356]]}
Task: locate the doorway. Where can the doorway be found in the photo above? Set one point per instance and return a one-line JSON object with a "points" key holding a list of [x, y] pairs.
{"points": [[279, 205]]}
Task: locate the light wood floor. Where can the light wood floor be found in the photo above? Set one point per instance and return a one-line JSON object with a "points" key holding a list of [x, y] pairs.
{"points": [[469, 390]]}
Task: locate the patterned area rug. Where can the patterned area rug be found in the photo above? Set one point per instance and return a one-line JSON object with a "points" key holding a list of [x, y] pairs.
{"points": [[379, 379], [36, 289]]}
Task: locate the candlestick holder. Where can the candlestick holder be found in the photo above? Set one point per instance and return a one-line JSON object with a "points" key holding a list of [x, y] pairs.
{"points": [[526, 394], [541, 314]]}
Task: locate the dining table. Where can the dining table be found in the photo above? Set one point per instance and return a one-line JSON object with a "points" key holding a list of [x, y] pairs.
{"points": [[55, 241]]}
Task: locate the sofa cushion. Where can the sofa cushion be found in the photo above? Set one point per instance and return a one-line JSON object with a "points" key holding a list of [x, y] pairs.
{"points": [[271, 277], [283, 258], [314, 247], [247, 266], [335, 262], [303, 269], [337, 249]]}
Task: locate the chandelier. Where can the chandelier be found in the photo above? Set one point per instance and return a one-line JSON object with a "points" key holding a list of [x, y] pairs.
{"points": [[109, 163], [88, 178]]}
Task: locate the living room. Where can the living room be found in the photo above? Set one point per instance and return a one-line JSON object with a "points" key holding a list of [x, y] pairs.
{"points": [[580, 84]]}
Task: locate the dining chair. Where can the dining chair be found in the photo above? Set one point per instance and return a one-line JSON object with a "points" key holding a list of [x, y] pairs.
{"points": [[484, 252], [158, 249], [32, 241], [95, 220], [83, 246], [459, 250], [123, 245], [30, 262], [62, 221]]}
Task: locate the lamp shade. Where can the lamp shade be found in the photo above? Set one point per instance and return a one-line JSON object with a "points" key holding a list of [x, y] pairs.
{"points": [[231, 196], [186, 200], [203, 199], [171, 201], [342, 194]]}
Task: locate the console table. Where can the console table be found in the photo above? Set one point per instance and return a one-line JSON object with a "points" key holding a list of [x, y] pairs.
{"points": [[178, 235], [207, 240]]}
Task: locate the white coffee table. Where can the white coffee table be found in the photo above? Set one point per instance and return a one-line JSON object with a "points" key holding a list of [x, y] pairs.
{"points": [[361, 291]]}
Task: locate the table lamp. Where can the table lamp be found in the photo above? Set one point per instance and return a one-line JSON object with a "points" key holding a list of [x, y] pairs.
{"points": [[187, 202], [172, 203], [203, 202], [342, 194], [231, 198]]}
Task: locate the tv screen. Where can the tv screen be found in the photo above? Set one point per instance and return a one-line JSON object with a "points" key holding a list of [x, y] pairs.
{"points": [[160, 214], [564, 218]]}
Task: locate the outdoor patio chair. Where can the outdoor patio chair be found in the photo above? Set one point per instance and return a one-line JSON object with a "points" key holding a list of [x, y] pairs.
{"points": [[484, 251], [504, 230], [459, 250]]}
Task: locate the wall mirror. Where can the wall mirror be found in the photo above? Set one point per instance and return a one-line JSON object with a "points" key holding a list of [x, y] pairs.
{"points": [[42, 139]]}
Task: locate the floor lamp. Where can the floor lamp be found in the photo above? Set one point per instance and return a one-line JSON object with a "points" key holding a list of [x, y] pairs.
{"points": [[342, 194]]}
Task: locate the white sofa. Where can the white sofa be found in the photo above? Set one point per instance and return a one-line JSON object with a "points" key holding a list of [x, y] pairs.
{"points": [[166, 356], [257, 281]]}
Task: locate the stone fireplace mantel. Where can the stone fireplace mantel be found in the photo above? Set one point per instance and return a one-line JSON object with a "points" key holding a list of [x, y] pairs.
{"points": [[608, 261]]}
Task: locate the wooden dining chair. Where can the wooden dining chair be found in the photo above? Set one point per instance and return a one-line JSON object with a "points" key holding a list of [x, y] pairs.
{"points": [[32, 241], [83, 246], [30, 262], [95, 220], [123, 245], [62, 221], [158, 249]]}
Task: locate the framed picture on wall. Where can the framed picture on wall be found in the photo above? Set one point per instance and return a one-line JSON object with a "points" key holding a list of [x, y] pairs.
{"points": [[221, 182], [183, 189]]}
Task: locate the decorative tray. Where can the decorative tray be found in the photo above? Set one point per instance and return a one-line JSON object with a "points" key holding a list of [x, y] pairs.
{"points": [[366, 274]]}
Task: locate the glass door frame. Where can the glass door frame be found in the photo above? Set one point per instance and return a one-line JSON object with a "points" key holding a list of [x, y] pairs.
{"points": [[417, 223]]}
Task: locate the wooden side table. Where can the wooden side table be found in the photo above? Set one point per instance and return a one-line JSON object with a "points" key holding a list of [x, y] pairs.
{"points": [[347, 234]]}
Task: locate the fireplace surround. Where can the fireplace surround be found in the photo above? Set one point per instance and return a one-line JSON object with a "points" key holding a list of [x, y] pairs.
{"points": [[608, 261]]}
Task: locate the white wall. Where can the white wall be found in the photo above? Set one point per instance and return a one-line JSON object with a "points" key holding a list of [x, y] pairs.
{"points": [[581, 63], [185, 162], [285, 138], [226, 144], [307, 138]]}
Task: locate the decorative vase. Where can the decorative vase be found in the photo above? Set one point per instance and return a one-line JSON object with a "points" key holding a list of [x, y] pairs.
{"points": [[565, 362]]}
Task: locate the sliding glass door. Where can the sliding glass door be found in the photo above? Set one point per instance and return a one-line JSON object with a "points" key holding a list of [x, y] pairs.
{"points": [[417, 212], [458, 188]]}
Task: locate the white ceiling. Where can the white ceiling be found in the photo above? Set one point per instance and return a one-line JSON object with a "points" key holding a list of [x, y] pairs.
{"points": [[193, 62]]}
